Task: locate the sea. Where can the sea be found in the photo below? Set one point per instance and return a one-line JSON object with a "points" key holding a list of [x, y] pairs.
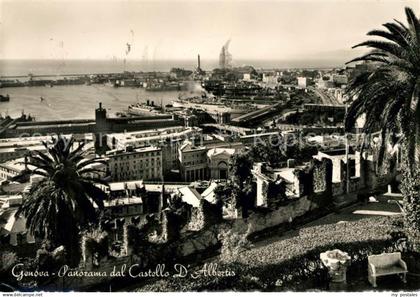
{"points": [[79, 102], [62, 67]]}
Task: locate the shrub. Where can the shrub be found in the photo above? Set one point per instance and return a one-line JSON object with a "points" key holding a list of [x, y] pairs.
{"points": [[94, 241], [8, 259], [233, 243]]}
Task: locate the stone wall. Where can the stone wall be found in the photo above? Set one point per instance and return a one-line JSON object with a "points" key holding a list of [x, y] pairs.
{"points": [[206, 214], [320, 178], [316, 177], [197, 242], [170, 226], [354, 184], [258, 222], [338, 189]]}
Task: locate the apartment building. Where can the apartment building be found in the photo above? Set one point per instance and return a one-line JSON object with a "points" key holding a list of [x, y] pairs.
{"points": [[134, 164]]}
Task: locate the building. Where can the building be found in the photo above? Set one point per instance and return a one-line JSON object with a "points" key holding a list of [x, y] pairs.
{"points": [[321, 108], [153, 137], [193, 162], [362, 68], [269, 138], [302, 82], [13, 227], [324, 84], [133, 164], [218, 162], [339, 94], [14, 148], [16, 151], [13, 152], [100, 125], [13, 168], [10, 169], [270, 79], [168, 139], [144, 196], [125, 199], [340, 79], [247, 77]]}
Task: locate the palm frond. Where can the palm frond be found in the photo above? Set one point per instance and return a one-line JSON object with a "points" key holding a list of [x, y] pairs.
{"points": [[413, 23], [384, 46], [398, 39]]}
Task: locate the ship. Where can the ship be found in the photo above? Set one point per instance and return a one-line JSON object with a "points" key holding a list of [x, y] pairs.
{"points": [[148, 108], [114, 84], [4, 98]]}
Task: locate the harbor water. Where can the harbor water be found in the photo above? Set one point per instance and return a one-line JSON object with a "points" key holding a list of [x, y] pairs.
{"points": [[76, 102]]}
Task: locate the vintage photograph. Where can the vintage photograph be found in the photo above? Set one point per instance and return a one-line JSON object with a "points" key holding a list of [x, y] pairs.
{"points": [[210, 146]]}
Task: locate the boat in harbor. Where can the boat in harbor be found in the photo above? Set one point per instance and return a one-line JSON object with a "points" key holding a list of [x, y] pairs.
{"points": [[147, 109], [4, 98]]}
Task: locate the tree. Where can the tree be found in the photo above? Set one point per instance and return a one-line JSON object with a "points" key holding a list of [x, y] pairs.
{"points": [[389, 97], [241, 177], [63, 203], [240, 167]]}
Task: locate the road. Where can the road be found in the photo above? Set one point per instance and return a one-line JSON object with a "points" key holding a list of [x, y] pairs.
{"points": [[325, 97]]}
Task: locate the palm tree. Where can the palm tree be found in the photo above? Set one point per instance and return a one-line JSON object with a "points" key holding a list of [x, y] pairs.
{"points": [[62, 203], [389, 97]]}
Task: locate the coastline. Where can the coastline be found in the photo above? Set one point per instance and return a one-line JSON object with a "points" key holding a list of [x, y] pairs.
{"points": [[81, 67]]}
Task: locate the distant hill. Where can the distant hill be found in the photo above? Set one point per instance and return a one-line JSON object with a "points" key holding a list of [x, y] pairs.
{"points": [[339, 55]]}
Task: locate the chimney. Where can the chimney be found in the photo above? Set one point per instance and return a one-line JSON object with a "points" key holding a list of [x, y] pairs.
{"points": [[198, 64], [100, 105]]}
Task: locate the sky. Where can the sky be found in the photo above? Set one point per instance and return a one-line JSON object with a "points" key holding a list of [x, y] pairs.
{"points": [[42, 29]]}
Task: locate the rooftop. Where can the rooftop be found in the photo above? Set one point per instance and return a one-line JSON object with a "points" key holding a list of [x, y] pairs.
{"points": [[7, 201], [136, 150], [190, 196], [188, 147], [156, 134], [219, 151], [123, 201], [15, 165]]}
